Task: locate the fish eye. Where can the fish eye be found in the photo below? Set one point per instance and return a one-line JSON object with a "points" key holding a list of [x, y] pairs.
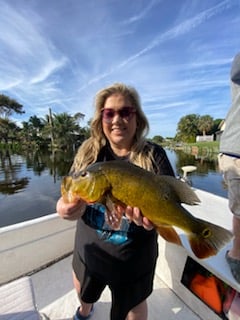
{"points": [[83, 174]]}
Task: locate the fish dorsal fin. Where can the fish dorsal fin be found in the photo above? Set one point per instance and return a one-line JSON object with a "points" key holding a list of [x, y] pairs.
{"points": [[182, 191]]}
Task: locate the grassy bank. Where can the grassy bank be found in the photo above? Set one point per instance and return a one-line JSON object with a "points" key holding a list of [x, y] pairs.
{"points": [[202, 147]]}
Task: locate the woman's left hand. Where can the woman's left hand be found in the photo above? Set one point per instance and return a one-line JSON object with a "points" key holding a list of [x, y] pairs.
{"points": [[134, 214]]}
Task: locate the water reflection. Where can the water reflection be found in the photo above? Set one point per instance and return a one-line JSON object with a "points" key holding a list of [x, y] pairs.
{"points": [[206, 177], [204, 163], [11, 165], [30, 181], [30, 184], [13, 186], [15, 168]]}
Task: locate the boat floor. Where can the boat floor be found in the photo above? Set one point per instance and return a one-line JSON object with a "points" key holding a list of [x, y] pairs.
{"points": [[57, 299]]}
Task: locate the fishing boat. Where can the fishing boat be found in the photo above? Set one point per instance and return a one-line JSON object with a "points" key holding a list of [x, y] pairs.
{"points": [[36, 278]]}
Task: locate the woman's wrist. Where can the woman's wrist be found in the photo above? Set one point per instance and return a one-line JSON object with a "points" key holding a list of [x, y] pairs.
{"points": [[70, 211]]}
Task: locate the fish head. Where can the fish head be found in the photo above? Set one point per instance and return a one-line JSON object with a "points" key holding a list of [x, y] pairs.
{"points": [[89, 185]]}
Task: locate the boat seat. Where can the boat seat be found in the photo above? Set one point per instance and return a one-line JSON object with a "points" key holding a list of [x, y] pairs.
{"points": [[18, 301]]}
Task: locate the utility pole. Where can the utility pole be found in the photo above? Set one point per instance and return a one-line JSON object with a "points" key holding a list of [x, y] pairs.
{"points": [[51, 128]]}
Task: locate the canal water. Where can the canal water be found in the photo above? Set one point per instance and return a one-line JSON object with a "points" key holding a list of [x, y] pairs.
{"points": [[30, 182]]}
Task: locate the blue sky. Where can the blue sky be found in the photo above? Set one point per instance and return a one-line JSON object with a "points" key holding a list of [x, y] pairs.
{"points": [[177, 54]]}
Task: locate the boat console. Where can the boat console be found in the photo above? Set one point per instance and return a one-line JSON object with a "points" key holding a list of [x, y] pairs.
{"points": [[194, 280]]}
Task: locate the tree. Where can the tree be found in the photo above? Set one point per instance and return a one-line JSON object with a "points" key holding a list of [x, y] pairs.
{"points": [[8, 130], [26, 132], [158, 139], [65, 128], [8, 106], [78, 116], [205, 124], [215, 127], [36, 123], [187, 128]]}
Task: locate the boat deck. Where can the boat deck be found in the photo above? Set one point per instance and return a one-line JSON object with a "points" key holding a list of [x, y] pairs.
{"points": [[28, 246], [57, 299]]}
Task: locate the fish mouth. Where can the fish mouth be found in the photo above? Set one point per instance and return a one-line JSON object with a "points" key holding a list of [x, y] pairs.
{"points": [[69, 195], [67, 182]]}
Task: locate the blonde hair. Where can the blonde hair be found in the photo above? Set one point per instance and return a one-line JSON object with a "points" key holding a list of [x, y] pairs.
{"points": [[140, 154]]}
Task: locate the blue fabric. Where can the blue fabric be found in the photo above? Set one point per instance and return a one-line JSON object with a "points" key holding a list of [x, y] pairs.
{"points": [[95, 218], [78, 316]]}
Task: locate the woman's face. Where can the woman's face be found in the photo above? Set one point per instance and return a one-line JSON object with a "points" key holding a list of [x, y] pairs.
{"points": [[119, 122]]}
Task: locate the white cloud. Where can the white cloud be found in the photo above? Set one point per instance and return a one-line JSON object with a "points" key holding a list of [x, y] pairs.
{"points": [[57, 55]]}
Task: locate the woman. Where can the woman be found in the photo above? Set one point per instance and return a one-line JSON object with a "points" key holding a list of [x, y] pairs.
{"points": [[122, 259]]}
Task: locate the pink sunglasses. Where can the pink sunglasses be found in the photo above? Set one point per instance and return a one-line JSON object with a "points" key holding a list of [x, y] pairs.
{"points": [[125, 113]]}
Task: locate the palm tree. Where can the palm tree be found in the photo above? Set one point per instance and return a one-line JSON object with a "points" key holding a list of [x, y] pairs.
{"points": [[205, 124], [187, 128], [8, 130], [26, 132], [36, 124], [64, 129]]}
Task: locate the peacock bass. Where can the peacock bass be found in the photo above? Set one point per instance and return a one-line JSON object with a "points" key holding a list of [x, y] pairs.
{"points": [[159, 198]]}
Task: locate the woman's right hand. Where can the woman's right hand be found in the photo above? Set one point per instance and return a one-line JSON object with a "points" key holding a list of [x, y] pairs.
{"points": [[70, 211]]}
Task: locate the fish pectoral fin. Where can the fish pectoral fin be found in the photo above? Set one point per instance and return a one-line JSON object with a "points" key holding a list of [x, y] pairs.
{"points": [[114, 212], [168, 233], [113, 219], [183, 193]]}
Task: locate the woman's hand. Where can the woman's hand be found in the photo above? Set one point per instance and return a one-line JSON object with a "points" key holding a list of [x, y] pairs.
{"points": [[134, 214], [70, 211]]}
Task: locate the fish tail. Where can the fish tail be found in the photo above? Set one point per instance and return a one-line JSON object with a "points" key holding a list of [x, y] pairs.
{"points": [[209, 240]]}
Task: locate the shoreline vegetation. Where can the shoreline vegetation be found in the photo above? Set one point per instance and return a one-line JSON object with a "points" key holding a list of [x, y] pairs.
{"points": [[202, 148], [194, 148], [197, 148], [211, 145], [62, 131]]}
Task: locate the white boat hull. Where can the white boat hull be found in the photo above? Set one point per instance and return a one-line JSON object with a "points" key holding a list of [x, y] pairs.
{"points": [[28, 246]]}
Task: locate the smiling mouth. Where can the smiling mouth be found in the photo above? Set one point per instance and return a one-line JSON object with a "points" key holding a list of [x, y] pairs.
{"points": [[118, 129]]}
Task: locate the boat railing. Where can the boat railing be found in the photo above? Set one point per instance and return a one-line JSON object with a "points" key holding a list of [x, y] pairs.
{"points": [[27, 246]]}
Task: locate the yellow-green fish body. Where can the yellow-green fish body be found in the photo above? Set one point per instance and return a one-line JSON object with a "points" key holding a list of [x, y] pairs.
{"points": [[158, 197]]}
